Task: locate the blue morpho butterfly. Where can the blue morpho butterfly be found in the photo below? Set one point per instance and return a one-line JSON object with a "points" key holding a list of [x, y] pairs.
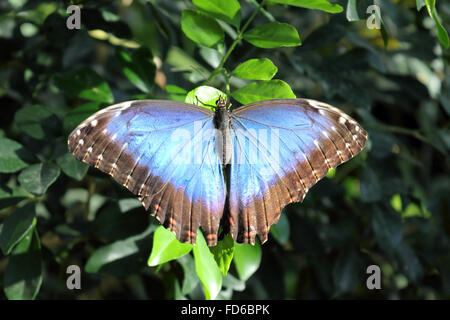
{"points": [[193, 167]]}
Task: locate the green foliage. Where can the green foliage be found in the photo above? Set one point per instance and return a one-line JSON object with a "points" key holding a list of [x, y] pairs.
{"points": [[388, 206]]}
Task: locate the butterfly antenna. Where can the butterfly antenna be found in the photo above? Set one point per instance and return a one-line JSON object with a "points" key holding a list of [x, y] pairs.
{"points": [[205, 104]]}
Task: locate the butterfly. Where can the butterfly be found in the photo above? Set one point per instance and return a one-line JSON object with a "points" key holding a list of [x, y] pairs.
{"points": [[193, 168]]}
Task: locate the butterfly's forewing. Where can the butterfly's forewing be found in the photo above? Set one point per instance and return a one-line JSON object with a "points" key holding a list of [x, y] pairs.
{"points": [[296, 143], [162, 151]]}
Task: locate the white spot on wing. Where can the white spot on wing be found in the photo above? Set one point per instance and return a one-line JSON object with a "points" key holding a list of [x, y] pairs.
{"points": [[81, 142], [342, 120], [314, 104], [78, 132], [94, 123]]}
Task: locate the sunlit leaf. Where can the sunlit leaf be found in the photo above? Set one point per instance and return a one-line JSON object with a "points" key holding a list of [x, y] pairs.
{"points": [[273, 35], [200, 28], [166, 247], [442, 33], [255, 69], [223, 253], [206, 268], [263, 90], [247, 259], [323, 5], [204, 96], [225, 10]]}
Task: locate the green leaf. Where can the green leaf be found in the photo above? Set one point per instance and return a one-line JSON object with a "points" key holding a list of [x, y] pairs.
{"points": [[138, 67], [166, 247], [263, 90], [223, 253], [16, 226], [38, 177], [85, 83], [37, 121], [225, 10], [347, 271], [201, 29], [442, 33], [121, 257], [273, 35], [352, 11], [23, 275], [75, 116], [281, 230], [206, 268], [369, 186], [247, 259], [204, 96], [255, 69], [13, 156], [71, 166], [323, 5], [190, 279], [420, 4], [9, 197], [176, 93], [387, 227]]}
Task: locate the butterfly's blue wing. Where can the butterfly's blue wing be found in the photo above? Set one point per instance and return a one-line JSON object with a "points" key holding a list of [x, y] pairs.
{"points": [[281, 148], [162, 151]]}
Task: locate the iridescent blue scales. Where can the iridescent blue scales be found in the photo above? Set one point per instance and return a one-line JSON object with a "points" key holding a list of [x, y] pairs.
{"points": [[194, 168]]}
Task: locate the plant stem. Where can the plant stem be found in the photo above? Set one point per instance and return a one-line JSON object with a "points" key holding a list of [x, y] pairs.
{"points": [[235, 42]]}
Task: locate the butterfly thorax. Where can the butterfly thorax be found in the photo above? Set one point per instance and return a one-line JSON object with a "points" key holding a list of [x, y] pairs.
{"points": [[223, 134]]}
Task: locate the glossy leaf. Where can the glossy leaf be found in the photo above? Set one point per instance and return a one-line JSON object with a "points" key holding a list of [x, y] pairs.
{"points": [[247, 259], [273, 35], [138, 67], [72, 166], [85, 83], [206, 267], [120, 257], [323, 5], [16, 226], [255, 69], [200, 28], [223, 253], [13, 156], [347, 271], [37, 121], [75, 116], [225, 10], [190, 279], [281, 230], [166, 247], [442, 33], [38, 177], [204, 96], [23, 275], [263, 90], [11, 196]]}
